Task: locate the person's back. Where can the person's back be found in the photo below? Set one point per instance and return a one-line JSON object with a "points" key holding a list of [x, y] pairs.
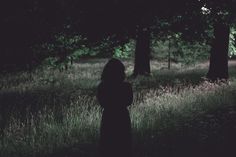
{"points": [[114, 97]]}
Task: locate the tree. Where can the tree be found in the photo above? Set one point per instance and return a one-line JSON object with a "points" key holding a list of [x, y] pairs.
{"points": [[218, 68], [150, 17], [142, 52], [222, 15], [114, 19]]}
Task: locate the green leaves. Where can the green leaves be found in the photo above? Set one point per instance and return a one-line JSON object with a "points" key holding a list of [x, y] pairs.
{"points": [[181, 51], [232, 42], [124, 51]]}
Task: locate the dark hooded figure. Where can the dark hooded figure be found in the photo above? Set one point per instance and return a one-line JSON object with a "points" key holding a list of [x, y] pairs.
{"points": [[114, 95]]}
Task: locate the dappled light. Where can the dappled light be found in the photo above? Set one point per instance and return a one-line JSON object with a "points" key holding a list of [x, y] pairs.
{"points": [[118, 78]]}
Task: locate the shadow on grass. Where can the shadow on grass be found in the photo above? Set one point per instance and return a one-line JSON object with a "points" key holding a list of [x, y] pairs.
{"points": [[22, 102], [217, 136], [209, 133]]}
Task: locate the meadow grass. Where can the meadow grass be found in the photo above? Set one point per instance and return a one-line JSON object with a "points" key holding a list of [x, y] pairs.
{"points": [[175, 112]]}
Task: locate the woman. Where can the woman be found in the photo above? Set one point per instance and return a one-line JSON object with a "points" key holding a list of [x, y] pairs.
{"points": [[114, 95]]}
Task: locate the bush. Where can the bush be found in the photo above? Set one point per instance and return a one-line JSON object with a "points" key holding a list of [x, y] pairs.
{"points": [[125, 51], [232, 42], [180, 51]]}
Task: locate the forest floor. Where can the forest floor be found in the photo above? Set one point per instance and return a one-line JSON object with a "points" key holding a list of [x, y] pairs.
{"points": [[175, 113]]}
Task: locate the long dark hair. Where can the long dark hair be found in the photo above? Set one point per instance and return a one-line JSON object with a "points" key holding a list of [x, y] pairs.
{"points": [[113, 72]]}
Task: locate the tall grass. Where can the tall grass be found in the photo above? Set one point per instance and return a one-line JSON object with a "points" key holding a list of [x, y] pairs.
{"points": [[174, 113]]}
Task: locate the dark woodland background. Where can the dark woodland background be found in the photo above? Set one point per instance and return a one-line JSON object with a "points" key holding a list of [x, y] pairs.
{"points": [[179, 57]]}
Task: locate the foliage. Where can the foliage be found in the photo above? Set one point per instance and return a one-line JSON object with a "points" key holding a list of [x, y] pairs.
{"points": [[67, 49], [58, 53], [125, 51], [39, 21], [181, 50], [192, 53], [232, 42]]}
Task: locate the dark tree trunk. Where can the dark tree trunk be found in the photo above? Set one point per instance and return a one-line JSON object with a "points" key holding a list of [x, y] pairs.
{"points": [[142, 53], [218, 68]]}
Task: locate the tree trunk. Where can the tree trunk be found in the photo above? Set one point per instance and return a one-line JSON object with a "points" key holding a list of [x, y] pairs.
{"points": [[142, 53], [218, 68]]}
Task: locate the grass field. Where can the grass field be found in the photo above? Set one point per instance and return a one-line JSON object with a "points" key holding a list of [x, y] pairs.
{"points": [[175, 113]]}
